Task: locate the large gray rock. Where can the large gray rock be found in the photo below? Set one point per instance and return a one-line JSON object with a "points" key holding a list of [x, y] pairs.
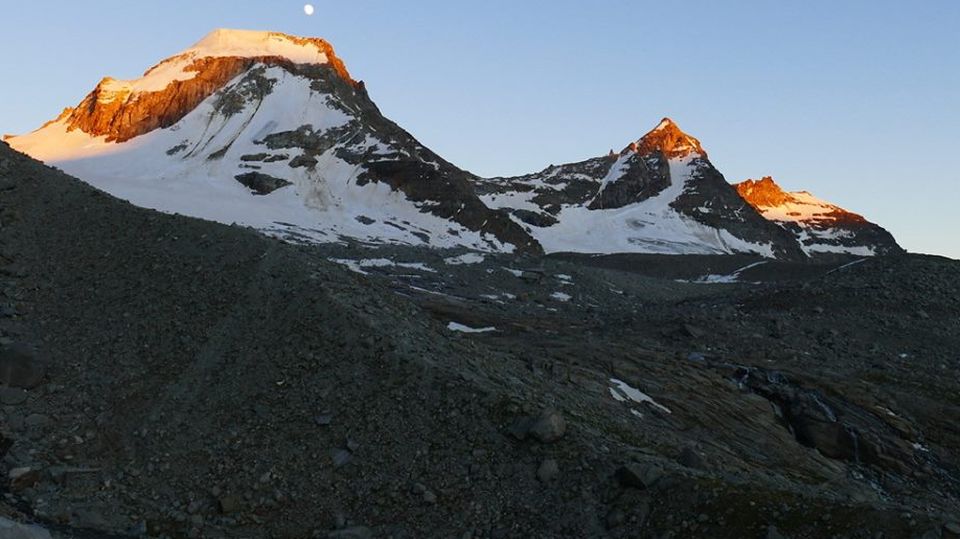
{"points": [[21, 366], [355, 532], [639, 476], [549, 426], [14, 530]]}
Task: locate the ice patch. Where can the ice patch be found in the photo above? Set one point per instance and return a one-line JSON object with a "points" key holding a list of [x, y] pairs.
{"points": [[623, 391], [725, 279], [358, 266], [454, 326], [469, 258]]}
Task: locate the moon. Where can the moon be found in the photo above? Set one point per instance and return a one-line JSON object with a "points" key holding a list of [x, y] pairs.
{"points": [[308, 9]]}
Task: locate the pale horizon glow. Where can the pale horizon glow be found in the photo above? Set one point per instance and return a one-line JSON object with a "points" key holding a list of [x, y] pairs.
{"points": [[853, 102]]}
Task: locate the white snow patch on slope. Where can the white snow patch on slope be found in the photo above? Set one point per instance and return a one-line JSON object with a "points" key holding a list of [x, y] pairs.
{"points": [[622, 391], [726, 279], [454, 326], [802, 206], [469, 258], [359, 266], [560, 296]]}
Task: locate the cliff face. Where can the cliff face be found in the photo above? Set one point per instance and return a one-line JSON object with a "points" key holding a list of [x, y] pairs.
{"points": [[116, 112]]}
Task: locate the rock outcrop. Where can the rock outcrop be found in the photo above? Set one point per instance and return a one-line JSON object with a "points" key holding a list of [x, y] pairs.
{"points": [[821, 228]]}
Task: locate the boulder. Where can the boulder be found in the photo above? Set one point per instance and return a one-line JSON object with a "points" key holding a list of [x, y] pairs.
{"points": [[549, 426], [640, 476], [14, 530], [21, 366]]}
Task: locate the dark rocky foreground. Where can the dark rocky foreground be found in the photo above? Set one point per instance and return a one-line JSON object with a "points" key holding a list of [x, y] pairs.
{"points": [[164, 376]]}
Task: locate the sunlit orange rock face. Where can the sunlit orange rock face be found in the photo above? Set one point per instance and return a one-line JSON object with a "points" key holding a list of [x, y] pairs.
{"points": [[668, 139], [762, 193], [119, 114], [765, 194]]}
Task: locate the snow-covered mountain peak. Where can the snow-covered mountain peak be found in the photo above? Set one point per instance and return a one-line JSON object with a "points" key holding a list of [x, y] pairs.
{"points": [[269, 130], [668, 139], [121, 110], [224, 42]]}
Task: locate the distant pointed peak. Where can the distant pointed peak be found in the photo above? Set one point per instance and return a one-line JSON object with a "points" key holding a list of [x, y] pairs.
{"points": [[668, 139], [667, 124]]}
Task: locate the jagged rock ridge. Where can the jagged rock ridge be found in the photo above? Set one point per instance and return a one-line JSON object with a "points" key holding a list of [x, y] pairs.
{"points": [[660, 194], [820, 227]]}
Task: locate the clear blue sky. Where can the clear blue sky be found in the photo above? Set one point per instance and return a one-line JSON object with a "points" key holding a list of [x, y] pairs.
{"points": [[856, 101]]}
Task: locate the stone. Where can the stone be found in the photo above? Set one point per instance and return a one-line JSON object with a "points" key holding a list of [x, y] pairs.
{"points": [[14, 530], [354, 532], [303, 161], [690, 458], [261, 184], [548, 471], [638, 476], [549, 426], [23, 478], [340, 457], [951, 530], [21, 366], [694, 331], [88, 518], [615, 518], [228, 504], [38, 421], [12, 396], [774, 533]]}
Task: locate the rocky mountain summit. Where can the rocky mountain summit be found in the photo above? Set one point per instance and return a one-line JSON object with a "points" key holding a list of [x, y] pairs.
{"points": [[271, 131], [660, 194], [820, 227]]}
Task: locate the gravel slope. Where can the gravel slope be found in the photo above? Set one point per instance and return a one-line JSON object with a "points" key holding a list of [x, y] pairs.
{"points": [[187, 379]]}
